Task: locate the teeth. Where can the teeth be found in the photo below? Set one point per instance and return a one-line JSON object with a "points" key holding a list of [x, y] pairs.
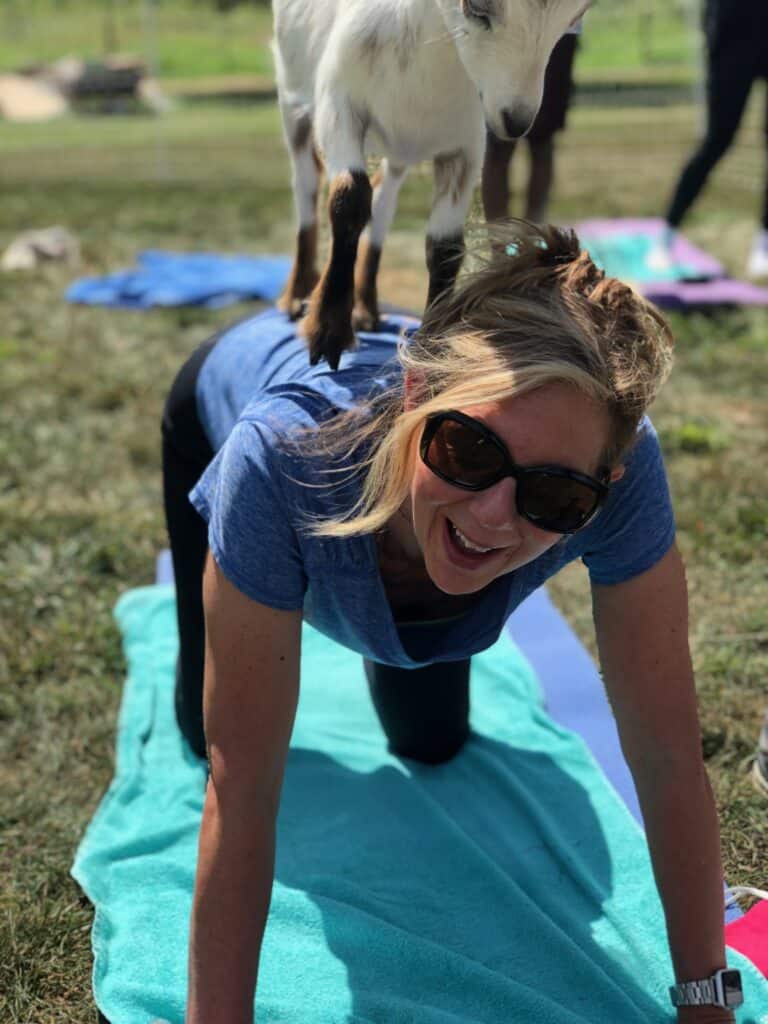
{"points": [[466, 543]]}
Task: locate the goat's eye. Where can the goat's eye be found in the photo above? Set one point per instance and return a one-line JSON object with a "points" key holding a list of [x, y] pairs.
{"points": [[477, 11]]}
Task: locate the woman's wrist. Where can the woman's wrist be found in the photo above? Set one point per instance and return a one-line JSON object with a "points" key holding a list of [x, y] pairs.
{"points": [[704, 1015]]}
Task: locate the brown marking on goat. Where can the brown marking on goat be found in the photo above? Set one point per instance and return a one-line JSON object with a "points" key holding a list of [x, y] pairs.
{"points": [[451, 171], [365, 315], [327, 326], [444, 256], [318, 162], [301, 132], [303, 276]]}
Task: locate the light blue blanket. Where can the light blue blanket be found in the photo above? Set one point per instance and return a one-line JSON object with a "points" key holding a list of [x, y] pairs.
{"points": [[185, 279], [509, 885]]}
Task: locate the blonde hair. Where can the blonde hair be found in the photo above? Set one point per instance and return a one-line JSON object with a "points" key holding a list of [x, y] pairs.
{"points": [[537, 311]]}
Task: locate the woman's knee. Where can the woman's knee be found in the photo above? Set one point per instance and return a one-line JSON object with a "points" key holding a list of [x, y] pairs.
{"points": [[424, 711], [431, 748]]}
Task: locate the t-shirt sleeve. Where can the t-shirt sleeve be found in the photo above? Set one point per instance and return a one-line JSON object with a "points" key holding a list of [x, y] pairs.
{"points": [[250, 533], [637, 526]]}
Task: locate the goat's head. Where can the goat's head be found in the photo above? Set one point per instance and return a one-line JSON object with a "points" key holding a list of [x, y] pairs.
{"points": [[504, 46]]}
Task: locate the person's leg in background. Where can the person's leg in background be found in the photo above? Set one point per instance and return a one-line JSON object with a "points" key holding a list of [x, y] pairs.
{"points": [[729, 82], [542, 153], [495, 179], [730, 73], [424, 711], [558, 88], [758, 257], [186, 453]]}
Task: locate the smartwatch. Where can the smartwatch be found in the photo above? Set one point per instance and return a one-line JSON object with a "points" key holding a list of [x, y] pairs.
{"points": [[722, 989]]}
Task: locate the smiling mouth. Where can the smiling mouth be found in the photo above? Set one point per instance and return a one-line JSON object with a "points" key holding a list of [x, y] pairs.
{"points": [[466, 543], [462, 546]]}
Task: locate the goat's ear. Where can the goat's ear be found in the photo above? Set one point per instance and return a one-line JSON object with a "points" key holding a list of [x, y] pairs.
{"points": [[414, 390], [617, 473]]}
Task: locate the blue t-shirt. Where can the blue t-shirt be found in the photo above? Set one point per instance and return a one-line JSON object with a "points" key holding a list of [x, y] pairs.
{"points": [[255, 389]]}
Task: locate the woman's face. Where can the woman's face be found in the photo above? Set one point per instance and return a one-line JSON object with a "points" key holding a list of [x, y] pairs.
{"points": [[554, 425]]}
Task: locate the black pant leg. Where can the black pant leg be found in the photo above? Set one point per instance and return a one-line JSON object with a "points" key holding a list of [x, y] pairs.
{"points": [[731, 70], [424, 711], [186, 453]]}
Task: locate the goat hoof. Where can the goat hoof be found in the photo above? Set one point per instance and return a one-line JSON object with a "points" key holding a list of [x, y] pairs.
{"points": [[365, 319], [327, 339], [293, 306]]}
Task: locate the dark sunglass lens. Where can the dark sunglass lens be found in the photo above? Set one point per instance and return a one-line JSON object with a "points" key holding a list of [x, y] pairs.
{"points": [[463, 454], [555, 502]]}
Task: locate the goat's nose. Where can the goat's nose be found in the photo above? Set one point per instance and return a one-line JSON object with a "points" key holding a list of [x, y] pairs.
{"points": [[517, 121]]}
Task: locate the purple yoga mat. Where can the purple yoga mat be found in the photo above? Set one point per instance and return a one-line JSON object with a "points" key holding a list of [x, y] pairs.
{"points": [[712, 285]]}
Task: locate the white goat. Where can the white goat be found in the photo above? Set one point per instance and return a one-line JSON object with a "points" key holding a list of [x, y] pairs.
{"points": [[408, 80]]}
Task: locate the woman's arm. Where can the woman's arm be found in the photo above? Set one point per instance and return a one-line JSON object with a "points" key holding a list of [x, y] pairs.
{"points": [[251, 691], [642, 634]]}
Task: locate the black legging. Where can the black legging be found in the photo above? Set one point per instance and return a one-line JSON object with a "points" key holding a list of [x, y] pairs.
{"points": [[424, 712], [733, 65]]}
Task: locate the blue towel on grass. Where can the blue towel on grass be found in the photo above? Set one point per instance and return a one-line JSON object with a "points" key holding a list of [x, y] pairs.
{"points": [[185, 279], [509, 885]]}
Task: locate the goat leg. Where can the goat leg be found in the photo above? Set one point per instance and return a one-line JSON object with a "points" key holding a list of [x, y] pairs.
{"points": [[386, 186], [365, 315], [307, 169], [327, 326], [444, 256], [303, 276]]}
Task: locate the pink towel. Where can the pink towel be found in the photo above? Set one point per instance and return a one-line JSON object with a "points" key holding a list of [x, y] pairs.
{"points": [[749, 935]]}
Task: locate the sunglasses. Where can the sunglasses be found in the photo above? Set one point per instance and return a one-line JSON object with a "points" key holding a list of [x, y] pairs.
{"points": [[466, 454]]}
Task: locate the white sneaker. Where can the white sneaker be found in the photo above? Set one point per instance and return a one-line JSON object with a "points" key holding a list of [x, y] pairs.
{"points": [[660, 256], [757, 264]]}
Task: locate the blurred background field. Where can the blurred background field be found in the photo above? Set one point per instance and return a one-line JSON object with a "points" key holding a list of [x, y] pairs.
{"points": [[81, 391], [197, 38]]}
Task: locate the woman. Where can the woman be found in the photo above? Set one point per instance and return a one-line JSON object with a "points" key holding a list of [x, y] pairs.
{"points": [[405, 505]]}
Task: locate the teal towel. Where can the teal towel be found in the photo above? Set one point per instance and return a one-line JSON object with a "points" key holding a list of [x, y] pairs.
{"points": [[508, 885], [626, 255]]}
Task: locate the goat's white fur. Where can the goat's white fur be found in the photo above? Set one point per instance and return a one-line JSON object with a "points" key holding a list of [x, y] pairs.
{"points": [[408, 80]]}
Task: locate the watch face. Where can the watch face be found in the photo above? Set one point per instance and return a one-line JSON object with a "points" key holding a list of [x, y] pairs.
{"points": [[731, 981]]}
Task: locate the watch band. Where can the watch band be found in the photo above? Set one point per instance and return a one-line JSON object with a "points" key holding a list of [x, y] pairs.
{"points": [[694, 993], [723, 988]]}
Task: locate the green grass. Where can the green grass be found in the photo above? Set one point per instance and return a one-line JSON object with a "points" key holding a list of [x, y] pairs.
{"points": [[81, 391]]}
